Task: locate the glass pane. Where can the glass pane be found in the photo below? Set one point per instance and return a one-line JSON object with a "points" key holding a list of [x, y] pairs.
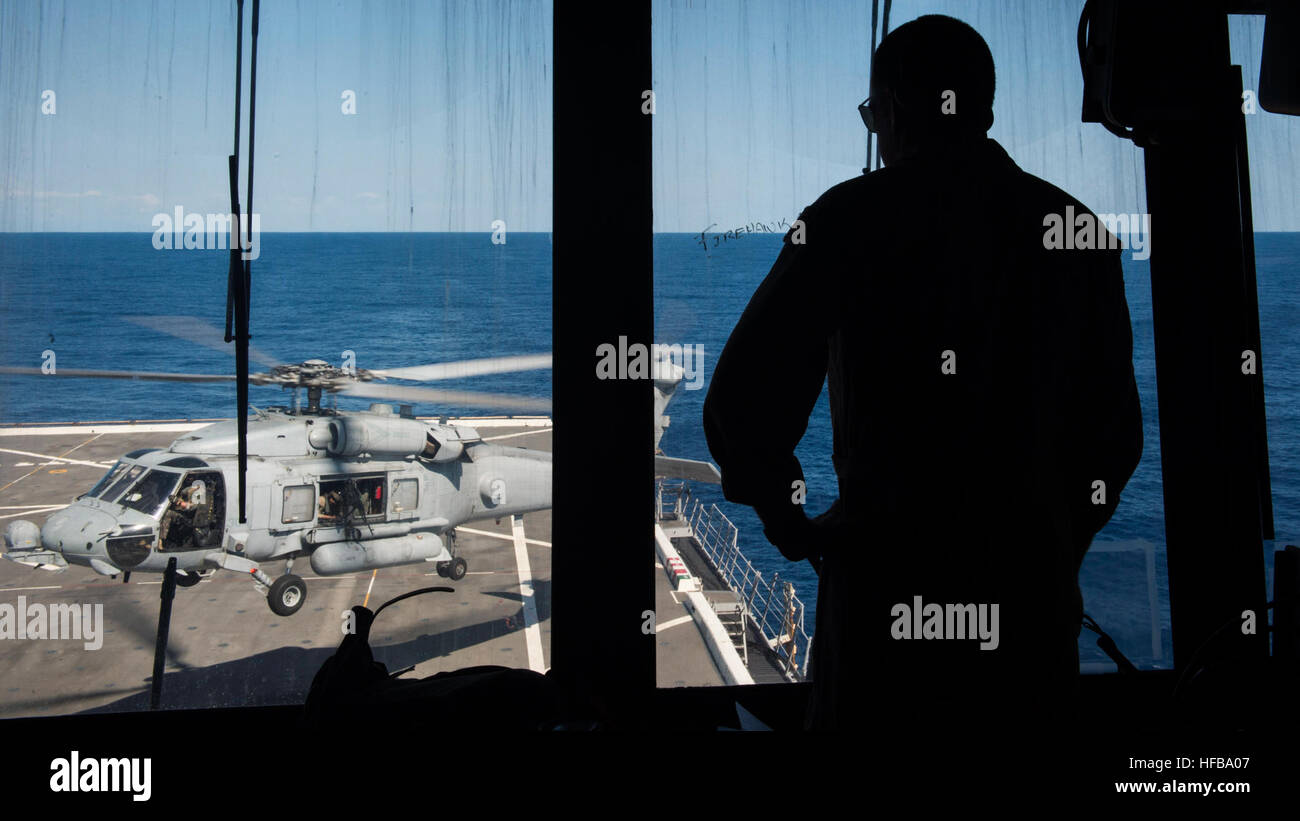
{"points": [[151, 493], [299, 504], [118, 488], [744, 141], [109, 478], [405, 494], [401, 210], [1274, 144]]}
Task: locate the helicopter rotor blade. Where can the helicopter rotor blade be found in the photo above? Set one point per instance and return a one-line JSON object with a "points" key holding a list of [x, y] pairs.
{"points": [[439, 396], [200, 332], [467, 368], [135, 375]]}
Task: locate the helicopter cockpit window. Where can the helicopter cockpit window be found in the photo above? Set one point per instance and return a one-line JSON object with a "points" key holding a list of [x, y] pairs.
{"points": [[195, 514], [360, 497], [150, 494], [113, 474], [123, 482], [298, 504]]}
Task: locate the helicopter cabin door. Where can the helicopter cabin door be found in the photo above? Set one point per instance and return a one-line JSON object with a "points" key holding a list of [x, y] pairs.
{"points": [[352, 500], [195, 517]]}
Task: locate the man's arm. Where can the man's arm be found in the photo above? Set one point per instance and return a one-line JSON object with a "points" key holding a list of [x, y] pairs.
{"points": [[768, 379], [1112, 425]]}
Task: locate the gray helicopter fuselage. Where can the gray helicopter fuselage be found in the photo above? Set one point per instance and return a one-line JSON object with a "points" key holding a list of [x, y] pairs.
{"points": [[352, 491]]}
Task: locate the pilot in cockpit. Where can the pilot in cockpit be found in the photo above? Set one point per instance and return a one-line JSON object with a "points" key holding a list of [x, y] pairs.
{"points": [[187, 519], [193, 496]]}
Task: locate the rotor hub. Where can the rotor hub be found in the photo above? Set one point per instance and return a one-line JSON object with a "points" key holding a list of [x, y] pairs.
{"points": [[313, 374]]}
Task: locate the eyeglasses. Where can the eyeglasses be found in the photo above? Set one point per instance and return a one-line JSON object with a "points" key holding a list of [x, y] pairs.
{"points": [[870, 109]]}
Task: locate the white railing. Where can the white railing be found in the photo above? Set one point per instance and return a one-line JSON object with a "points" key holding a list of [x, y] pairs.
{"points": [[771, 605]]}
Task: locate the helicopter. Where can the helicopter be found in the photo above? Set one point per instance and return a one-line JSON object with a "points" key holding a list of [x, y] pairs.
{"points": [[348, 490]]}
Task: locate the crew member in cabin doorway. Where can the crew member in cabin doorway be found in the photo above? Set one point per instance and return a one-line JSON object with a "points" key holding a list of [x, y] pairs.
{"points": [[984, 410]]}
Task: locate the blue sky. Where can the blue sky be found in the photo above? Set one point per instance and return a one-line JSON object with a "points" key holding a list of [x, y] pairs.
{"points": [[755, 112], [757, 101], [452, 130]]}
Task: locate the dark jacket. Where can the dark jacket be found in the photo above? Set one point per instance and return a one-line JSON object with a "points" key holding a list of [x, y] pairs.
{"points": [[975, 485]]}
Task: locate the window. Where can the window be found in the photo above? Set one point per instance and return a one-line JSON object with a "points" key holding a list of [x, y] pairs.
{"points": [[299, 504], [196, 516], [151, 493], [761, 122], [410, 195], [107, 481], [406, 495], [352, 498], [119, 487], [1274, 203]]}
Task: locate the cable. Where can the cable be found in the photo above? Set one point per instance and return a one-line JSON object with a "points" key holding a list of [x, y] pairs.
{"points": [[1183, 677], [1108, 646]]}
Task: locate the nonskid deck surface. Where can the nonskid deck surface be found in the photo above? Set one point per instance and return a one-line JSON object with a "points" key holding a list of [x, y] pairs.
{"points": [[226, 648]]}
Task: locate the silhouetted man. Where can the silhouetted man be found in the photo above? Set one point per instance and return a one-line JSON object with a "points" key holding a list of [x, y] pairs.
{"points": [[983, 404]]}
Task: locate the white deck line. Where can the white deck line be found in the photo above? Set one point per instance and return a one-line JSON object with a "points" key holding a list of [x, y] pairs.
{"points": [[463, 529], [532, 633], [671, 623], [55, 460]]}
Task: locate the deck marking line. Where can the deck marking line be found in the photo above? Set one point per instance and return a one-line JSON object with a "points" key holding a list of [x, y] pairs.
{"points": [[57, 459], [532, 633], [671, 623], [505, 536], [35, 470], [34, 512]]}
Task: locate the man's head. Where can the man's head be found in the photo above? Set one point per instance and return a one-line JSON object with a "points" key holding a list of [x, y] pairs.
{"points": [[932, 84]]}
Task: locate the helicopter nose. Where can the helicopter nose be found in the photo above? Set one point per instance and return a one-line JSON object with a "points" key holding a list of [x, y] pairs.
{"points": [[76, 530]]}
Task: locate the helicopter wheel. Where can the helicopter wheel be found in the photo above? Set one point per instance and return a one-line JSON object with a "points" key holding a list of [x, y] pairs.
{"points": [[459, 567], [186, 578], [286, 595], [443, 568]]}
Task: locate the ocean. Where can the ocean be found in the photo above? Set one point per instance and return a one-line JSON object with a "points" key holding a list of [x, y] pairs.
{"points": [[406, 299]]}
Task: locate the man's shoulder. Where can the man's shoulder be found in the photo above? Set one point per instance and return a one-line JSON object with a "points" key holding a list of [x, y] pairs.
{"points": [[854, 198], [861, 190], [1040, 192]]}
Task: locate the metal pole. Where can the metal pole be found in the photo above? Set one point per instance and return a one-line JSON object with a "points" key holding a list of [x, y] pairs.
{"points": [[164, 624]]}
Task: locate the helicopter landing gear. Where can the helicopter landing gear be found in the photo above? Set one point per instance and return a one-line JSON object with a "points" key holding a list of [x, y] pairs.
{"points": [[187, 578], [454, 569], [286, 595], [457, 567]]}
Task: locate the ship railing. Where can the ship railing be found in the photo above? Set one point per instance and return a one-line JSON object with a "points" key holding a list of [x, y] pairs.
{"points": [[770, 603]]}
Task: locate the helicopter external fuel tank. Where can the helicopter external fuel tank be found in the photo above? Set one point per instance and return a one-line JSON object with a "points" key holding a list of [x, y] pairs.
{"points": [[347, 557]]}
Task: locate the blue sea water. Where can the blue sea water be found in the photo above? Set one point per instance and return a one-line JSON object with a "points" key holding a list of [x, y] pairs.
{"points": [[407, 299], [390, 299]]}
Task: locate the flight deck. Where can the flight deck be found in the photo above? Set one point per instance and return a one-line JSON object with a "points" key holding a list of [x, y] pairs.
{"points": [[226, 648]]}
